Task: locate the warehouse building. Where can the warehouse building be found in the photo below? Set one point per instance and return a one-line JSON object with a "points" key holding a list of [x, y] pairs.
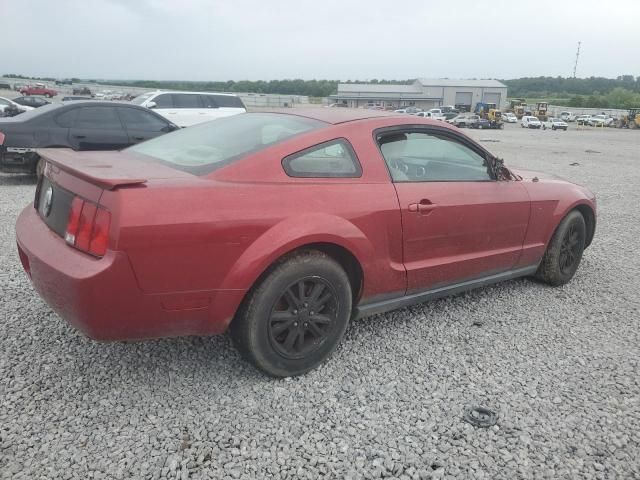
{"points": [[423, 93]]}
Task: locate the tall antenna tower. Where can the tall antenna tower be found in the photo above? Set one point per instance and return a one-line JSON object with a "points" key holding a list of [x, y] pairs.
{"points": [[576, 64]]}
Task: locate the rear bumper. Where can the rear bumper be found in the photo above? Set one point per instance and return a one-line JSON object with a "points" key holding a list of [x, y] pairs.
{"points": [[101, 297]]}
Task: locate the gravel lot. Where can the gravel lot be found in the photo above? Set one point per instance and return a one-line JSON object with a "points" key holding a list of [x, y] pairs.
{"points": [[561, 366]]}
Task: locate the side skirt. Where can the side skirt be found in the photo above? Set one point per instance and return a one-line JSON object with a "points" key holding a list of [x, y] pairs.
{"points": [[420, 297]]}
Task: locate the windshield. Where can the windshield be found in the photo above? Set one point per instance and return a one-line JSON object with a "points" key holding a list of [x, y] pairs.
{"points": [[204, 148]]}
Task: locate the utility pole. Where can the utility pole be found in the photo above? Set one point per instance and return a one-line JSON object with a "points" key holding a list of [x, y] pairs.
{"points": [[576, 64]]}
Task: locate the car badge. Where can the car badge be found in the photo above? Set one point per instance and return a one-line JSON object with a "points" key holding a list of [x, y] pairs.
{"points": [[48, 201]]}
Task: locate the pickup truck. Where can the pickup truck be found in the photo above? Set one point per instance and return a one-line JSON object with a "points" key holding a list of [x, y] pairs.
{"points": [[434, 114], [38, 90]]}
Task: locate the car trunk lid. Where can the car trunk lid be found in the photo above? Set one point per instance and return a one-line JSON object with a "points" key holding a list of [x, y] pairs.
{"points": [[69, 174]]}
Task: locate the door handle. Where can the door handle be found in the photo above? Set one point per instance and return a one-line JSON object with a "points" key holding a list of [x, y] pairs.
{"points": [[138, 138], [424, 207], [79, 136]]}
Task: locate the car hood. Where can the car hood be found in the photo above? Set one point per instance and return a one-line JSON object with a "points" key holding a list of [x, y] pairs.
{"points": [[531, 174]]}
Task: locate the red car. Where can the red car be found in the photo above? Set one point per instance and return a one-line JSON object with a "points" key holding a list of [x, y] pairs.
{"points": [[38, 90], [282, 227]]}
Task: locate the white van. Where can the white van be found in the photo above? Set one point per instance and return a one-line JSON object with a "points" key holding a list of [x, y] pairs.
{"points": [[188, 108]]}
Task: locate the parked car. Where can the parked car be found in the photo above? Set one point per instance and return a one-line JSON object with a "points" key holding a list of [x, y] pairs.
{"points": [[437, 115], [567, 116], [554, 124], [583, 119], [530, 122], [38, 89], [78, 125], [410, 110], [509, 117], [464, 120], [481, 123], [601, 121], [449, 108], [450, 114], [33, 102], [81, 91], [10, 108], [189, 108], [73, 98], [164, 238], [5, 86]]}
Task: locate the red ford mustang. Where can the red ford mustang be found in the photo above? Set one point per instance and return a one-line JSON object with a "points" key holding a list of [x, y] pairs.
{"points": [[283, 226]]}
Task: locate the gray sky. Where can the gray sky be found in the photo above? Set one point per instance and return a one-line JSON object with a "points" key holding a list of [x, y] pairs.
{"points": [[334, 39]]}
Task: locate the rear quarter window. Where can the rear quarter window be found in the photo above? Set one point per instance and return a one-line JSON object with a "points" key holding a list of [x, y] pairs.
{"points": [[333, 159], [227, 101]]}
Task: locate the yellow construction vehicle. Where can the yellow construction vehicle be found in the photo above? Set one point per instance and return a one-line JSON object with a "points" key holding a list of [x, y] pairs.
{"points": [[631, 119], [541, 111], [517, 106], [489, 111]]}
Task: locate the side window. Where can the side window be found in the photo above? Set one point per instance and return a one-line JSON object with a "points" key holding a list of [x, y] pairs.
{"points": [[66, 119], [227, 101], [332, 159], [163, 101], [135, 119], [186, 100], [208, 101], [423, 157], [98, 117]]}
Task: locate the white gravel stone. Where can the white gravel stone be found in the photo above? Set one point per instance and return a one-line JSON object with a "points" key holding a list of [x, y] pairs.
{"points": [[560, 365]]}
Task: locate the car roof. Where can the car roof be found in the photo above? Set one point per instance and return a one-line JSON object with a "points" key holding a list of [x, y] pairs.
{"points": [[62, 106], [335, 115]]}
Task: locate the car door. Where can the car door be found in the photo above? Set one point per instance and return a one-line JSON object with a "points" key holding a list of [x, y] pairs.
{"points": [[189, 109], [142, 125], [163, 105], [97, 128], [459, 223]]}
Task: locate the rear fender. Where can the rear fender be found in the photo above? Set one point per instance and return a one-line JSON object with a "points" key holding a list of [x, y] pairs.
{"points": [[294, 233]]}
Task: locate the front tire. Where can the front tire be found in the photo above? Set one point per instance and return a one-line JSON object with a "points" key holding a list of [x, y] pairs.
{"points": [[295, 318], [564, 252]]}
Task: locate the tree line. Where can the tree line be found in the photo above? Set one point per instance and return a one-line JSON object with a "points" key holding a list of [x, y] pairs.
{"points": [[596, 92], [599, 92]]}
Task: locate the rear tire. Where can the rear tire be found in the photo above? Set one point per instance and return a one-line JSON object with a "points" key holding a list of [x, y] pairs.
{"points": [[296, 316], [564, 252]]}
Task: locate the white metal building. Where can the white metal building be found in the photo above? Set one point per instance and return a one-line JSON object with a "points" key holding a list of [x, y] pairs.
{"points": [[424, 93]]}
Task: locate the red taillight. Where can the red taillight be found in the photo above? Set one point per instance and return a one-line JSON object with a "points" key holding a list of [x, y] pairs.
{"points": [[88, 227], [2, 137], [100, 234]]}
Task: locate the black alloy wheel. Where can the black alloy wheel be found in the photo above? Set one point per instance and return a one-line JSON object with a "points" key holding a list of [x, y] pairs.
{"points": [[303, 317], [564, 252], [295, 317], [571, 249]]}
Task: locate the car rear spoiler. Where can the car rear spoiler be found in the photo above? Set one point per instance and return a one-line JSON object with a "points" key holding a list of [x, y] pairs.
{"points": [[94, 167]]}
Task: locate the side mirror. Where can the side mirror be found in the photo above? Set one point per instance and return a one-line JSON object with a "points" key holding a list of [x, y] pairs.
{"points": [[152, 104]]}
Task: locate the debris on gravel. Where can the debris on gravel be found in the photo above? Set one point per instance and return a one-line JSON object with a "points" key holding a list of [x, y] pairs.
{"points": [[560, 365]]}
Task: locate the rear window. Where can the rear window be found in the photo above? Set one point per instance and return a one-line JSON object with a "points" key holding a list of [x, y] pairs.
{"points": [[227, 101], [203, 148]]}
